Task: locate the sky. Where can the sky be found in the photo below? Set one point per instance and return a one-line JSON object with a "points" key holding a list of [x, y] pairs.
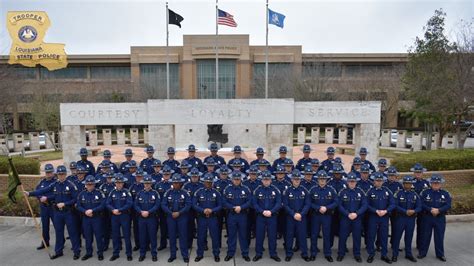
{"points": [[320, 26]]}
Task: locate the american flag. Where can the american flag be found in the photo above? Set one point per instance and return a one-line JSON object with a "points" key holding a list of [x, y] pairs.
{"points": [[225, 18]]}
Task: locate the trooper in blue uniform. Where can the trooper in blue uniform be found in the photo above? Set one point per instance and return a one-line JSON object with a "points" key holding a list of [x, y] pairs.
{"points": [[267, 202], [382, 167], [288, 165], [132, 168], [356, 165], [259, 152], [327, 164], [282, 184], [219, 160], [64, 196], [135, 187], [282, 151], [352, 205], [407, 206], [171, 161], [237, 165], [73, 169], [193, 160], [252, 182], [393, 185], [156, 174], [237, 150], [79, 182], [296, 202], [105, 167], [237, 200], [436, 202], [264, 165], [91, 204], [86, 163], [365, 183], [308, 178], [192, 186], [211, 166], [119, 202], [314, 164], [207, 203], [106, 188], [380, 204], [163, 186], [220, 184], [123, 168], [419, 185], [108, 157], [147, 163], [323, 200], [184, 169], [363, 157], [46, 203], [146, 205], [223, 181], [301, 164], [176, 204], [338, 184]]}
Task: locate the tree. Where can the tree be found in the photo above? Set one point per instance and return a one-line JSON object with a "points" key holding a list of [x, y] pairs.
{"points": [[438, 78]]}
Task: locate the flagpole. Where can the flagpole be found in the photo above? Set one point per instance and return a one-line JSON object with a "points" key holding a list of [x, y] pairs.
{"points": [[34, 219], [217, 51], [266, 53], [167, 55]]}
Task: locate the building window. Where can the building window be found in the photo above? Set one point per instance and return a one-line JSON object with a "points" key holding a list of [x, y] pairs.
{"points": [[19, 72], [110, 72], [281, 78], [70, 72], [323, 69], [367, 70], [153, 81], [206, 78]]}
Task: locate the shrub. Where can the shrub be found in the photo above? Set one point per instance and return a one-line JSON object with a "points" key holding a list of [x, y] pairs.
{"points": [[436, 160], [25, 166]]}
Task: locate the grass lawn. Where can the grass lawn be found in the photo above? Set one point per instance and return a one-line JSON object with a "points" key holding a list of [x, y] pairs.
{"points": [[51, 155]]}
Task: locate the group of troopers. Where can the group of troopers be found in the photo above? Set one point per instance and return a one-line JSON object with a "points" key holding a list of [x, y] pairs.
{"points": [[193, 198]]}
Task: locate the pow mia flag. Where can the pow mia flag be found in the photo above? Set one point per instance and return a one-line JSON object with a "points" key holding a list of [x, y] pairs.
{"points": [[174, 18]]}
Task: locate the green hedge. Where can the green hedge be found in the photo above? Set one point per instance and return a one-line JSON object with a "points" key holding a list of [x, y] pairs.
{"points": [[26, 166], [436, 160]]}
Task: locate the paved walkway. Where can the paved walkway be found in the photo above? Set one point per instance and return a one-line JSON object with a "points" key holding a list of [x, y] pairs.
{"points": [[18, 247]]}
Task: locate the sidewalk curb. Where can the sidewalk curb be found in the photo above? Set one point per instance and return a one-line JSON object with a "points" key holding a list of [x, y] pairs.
{"points": [[28, 221]]}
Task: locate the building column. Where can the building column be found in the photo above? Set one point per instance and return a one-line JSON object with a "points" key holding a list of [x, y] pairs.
{"points": [[301, 135], [315, 135], [342, 139], [161, 137], [385, 139], [417, 141], [402, 139], [73, 138], [367, 135], [34, 141], [329, 135], [107, 137], [93, 138], [279, 135], [134, 136], [120, 136]]}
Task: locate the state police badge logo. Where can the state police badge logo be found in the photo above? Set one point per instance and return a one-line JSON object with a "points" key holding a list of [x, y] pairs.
{"points": [[27, 34]]}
